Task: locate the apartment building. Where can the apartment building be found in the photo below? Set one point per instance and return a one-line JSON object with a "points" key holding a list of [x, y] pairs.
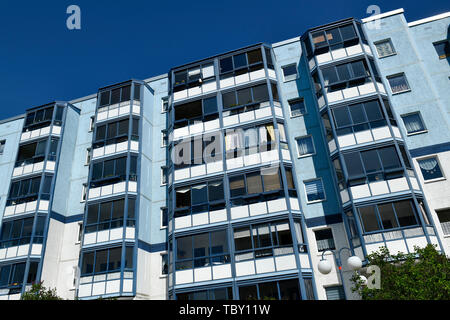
{"points": [[230, 177]]}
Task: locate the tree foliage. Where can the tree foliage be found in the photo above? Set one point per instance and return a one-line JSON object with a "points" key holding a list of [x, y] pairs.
{"points": [[39, 292], [422, 275]]}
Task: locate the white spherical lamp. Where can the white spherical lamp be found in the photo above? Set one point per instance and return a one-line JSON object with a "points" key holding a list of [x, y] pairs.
{"points": [[354, 263], [324, 266]]}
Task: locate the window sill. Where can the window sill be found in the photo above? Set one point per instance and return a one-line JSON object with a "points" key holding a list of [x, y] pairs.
{"points": [[289, 80], [387, 56], [416, 133], [315, 201], [162, 228], [400, 92], [163, 276], [298, 116], [435, 180], [306, 155]]}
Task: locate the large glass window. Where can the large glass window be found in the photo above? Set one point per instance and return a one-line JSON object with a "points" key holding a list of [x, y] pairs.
{"points": [[256, 187], [194, 111], [202, 250], [210, 294], [241, 63], [347, 75], [115, 96], [109, 215], [105, 261], [18, 232], [38, 119], [263, 240], [112, 171], [198, 198], [115, 132], [12, 275], [24, 190], [246, 99], [334, 39], [277, 290], [388, 216]]}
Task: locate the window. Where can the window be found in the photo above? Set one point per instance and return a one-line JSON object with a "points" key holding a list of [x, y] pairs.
{"points": [[442, 49], [246, 99], [91, 123], [164, 104], [335, 293], [398, 83], [347, 75], [164, 171], [27, 190], [105, 261], [334, 39], [314, 190], [277, 290], [18, 232], [164, 264], [2, 146], [241, 63], [385, 48], [444, 219], [38, 119], [164, 218], [116, 132], [88, 156], [164, 138], [109, 215], [113, 171], [290, 72], [325, 240], [256, 187], [115, 96], [202, 250], [211, 294], [80, 232], [12, 275], [413, 123], [388, 216], [297, 107], [198, 198], [83, 192], [263, 240], [430, 168], [305, 146], [192, 112]]}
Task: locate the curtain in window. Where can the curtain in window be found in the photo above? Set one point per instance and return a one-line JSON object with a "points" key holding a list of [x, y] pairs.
{"points": [[314, 190], [413, 123], [428, 164], [384, 49], [305, 146]]}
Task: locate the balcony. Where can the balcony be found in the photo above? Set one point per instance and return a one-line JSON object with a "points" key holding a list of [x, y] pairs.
{"points": [[112, 189], [25, 169], [350, 93], [339, 54], [118, 110], [20, 251], [104, 236], [215, 272], [27, 207], [105, 284], [115, 148], [39, 133]]}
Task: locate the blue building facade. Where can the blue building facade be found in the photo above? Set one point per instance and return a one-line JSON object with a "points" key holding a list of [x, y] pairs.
{"points": [[229, 177]]}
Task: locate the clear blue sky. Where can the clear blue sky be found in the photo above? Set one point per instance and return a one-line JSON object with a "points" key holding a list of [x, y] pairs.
{"points": [[42, 61]]}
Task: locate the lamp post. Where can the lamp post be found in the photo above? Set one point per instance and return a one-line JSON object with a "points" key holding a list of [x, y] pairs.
{"points": [[353, 262]]}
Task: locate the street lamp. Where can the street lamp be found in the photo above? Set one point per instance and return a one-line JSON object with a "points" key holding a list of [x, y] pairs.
{"points": [[324, 266]]}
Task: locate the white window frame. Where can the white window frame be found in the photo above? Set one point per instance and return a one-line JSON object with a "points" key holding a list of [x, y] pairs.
{"points": [[83, 193], [439, 164], [88, 156], [392, 46], [293, 77], [163, 144], [306, 194], [313, 144], [91, 124], [80, 232]]}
